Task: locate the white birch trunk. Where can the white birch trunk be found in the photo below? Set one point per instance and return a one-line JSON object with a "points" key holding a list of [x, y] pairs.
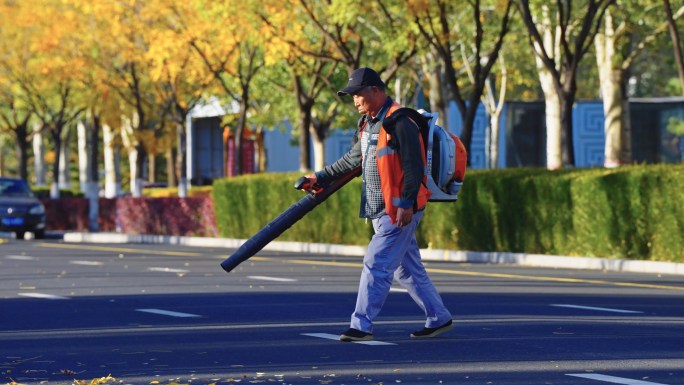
{"points": [[136, 183], [130, 142], [183, 187], [54, 190], [611, 92], [551, 98], [64, 178], [553, 124], [494, 109], [112, 184], [319, 153], [83, 157], [38, 155]]}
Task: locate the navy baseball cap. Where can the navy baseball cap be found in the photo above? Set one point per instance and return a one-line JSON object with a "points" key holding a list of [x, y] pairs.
{"points": [[361, 78]]}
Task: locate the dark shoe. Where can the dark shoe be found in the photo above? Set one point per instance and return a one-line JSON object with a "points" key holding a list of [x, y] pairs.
{"points": [[433, 332], [352, 335]]}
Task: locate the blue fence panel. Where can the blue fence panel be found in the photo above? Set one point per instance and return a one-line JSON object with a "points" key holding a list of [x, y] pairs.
{"points": [[588, 134]]}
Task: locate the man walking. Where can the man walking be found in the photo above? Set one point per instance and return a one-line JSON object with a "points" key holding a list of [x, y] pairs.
{"points": [[394, 198]]}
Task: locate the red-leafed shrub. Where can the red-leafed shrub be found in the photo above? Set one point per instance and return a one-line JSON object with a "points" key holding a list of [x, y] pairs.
{"points": [[166, 216], [159, 216], [66, 214], [107, 217]]}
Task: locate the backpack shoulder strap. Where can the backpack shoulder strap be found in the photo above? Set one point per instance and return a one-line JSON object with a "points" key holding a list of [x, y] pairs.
{"points": [[390, 122], [421, 121]]}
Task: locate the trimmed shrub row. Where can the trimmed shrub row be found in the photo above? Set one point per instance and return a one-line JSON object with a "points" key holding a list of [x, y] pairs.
{"points": [[634, 212], [165, 216]]}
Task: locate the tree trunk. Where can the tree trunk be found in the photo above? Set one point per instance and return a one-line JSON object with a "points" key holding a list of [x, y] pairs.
{"points": [[494, 109], [319, 131], [93, 185], [170, 156], [136, 181], [64, 177], [240, 129], [552, 118], [138, 175], [112, 185], [626, 150], [567, 100], [57, 143], [467, 130], [182, 159], [613, 112], [305, 105], [552, 100], [433, 67], [38, 155], [152, 166], [610, 81], [136, 159], [21, 138], [261, 150], [83, 158], [304, 139]]}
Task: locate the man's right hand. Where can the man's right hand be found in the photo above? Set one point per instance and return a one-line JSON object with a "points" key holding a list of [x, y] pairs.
{"points": [[311, 184]]}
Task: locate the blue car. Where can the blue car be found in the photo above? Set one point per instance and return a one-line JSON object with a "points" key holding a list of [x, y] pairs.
{"points": [[20, 210]]}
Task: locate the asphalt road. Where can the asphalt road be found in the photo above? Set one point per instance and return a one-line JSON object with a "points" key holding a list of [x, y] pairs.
{"points": [[166, 314]]}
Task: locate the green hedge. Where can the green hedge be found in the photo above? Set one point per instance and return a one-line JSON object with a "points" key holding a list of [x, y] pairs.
{"points": [[247, 203], [634, 212]]}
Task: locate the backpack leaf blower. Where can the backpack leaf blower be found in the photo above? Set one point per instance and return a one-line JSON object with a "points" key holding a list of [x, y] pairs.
{"points": [[288, 217]]}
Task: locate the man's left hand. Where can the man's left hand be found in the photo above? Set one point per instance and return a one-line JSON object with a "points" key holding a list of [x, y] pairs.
{"points": [[404, 216]]}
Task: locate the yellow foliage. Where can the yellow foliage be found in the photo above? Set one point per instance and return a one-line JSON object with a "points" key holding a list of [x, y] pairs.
{"points": [[96, 381]]}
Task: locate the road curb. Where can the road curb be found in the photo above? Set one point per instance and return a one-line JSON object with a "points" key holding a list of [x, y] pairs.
{"points": [[535, 260]]}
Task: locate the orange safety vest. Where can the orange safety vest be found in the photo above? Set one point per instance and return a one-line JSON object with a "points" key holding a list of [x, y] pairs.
{"points": [[392, 174]]}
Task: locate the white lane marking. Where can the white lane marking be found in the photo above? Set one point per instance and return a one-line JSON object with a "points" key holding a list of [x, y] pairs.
{"points": [[167, 270], [398, 290], [20, 257], [596, 308], [86, 263], [337, 338], [168, 313], [613, 379], [42, 296], [275, 279]]}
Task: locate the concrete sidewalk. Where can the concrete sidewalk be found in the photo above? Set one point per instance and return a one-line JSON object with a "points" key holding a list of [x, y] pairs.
{"points": [[537, 260]]}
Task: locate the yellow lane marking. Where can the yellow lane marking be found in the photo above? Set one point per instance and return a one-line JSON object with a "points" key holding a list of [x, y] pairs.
{"points": [[308, 262], [556, 279], [118, 249], [503, 276]]}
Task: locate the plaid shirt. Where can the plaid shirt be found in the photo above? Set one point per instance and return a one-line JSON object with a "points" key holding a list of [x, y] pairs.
{"points": [[372, 203]]}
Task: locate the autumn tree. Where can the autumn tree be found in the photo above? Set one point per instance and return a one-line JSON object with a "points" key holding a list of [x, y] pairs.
{"points": [[561, 33], [15, 111], [440, 24], [228, 40], [51, 75], [179, 82], [14, 119], [121, 47], [627, 29], [332, 39], [309, 75]]}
